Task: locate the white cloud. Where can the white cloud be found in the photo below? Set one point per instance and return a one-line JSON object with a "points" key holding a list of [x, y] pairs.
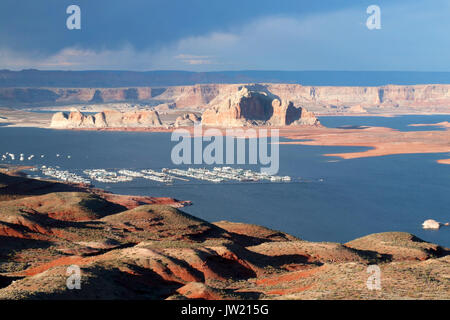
{"points": [[194, 60]]}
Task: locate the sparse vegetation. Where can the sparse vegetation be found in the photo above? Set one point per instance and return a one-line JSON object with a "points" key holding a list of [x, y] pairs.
{"points": [[159, 252]]}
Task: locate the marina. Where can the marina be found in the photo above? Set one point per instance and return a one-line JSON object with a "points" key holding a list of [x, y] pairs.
{"points": [[63, 175], [313, 213], [222, 174], [165, 175]]}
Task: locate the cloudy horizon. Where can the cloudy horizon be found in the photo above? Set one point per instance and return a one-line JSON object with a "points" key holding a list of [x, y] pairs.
{"points": [[199, 35]]}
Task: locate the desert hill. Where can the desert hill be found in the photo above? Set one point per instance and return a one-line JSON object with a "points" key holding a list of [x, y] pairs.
{"points": [[129, 249]]}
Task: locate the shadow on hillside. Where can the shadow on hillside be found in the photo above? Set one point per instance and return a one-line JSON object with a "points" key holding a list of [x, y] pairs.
{"points": [[17, 186]]}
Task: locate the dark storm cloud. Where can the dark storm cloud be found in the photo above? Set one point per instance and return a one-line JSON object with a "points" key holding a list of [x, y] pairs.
{"points": [[39, 25], [208, 35]]}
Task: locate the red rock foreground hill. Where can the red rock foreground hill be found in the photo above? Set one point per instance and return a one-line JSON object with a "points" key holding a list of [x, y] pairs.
{"points": [[131, 251]]}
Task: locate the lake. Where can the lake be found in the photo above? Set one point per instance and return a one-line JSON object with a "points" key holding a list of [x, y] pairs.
{"points": [[330, 199]]}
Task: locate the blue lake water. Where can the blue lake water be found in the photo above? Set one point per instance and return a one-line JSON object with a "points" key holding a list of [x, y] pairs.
{"points": [[356, 197]]}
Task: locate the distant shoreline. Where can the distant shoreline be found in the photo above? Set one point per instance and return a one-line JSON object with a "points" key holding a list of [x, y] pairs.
{"points": [[382, 141]]}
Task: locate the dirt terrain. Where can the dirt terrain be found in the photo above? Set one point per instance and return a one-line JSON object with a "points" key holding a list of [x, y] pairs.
{"points": [[20, 118], [380, 141], [129, 249]]}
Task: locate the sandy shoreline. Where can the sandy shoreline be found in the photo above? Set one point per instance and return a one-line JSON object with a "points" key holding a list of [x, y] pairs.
{"points": [[381, 141], [444, 161]]}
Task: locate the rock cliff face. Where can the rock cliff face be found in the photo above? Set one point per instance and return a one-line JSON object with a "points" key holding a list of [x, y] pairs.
{"points": [[400, 98], [417, 96], [188, 119], [110, 118], [195, 96], [250, 106]]}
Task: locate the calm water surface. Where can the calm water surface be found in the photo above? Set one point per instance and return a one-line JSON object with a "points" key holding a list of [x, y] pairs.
{"points": [[355, 198]]}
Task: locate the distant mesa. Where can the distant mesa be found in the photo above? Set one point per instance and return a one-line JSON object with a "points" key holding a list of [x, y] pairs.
{"points": [[255, 105], [106, 119], [386, 99]]}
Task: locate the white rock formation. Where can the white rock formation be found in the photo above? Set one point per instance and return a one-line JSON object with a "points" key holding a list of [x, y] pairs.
{"points": [[431, 224]]}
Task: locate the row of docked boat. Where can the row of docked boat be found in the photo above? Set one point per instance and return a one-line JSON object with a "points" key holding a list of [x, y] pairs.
{"points": [[63, 175], [125, 175], [102, 175], [248, 175], [166, 175], [149, 175], [198, 174], [221, 174]]}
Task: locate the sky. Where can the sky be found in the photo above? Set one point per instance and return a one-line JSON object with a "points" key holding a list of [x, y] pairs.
{"points": [[213, 35]]}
